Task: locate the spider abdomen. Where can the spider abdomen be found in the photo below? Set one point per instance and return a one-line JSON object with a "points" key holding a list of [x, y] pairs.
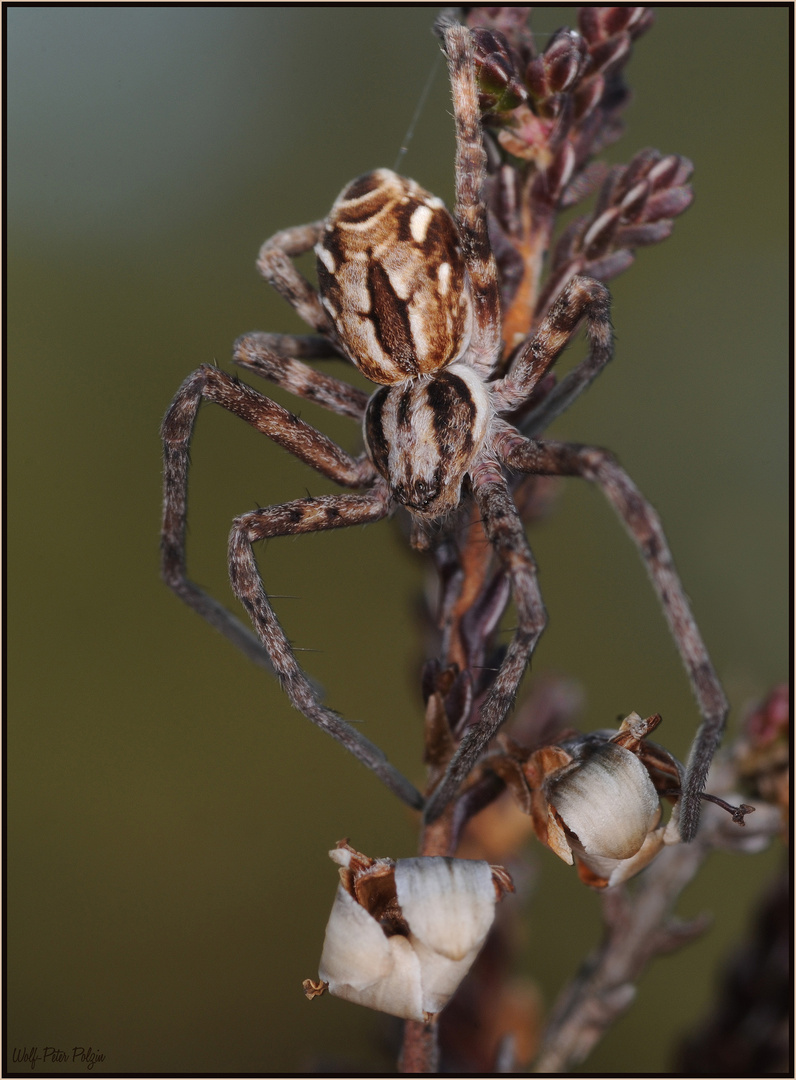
{"points": [[424, 436], [392, 277]]}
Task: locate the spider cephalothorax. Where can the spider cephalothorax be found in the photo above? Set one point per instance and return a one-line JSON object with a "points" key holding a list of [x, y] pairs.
{"points": [[425, 436], [410, 294]]}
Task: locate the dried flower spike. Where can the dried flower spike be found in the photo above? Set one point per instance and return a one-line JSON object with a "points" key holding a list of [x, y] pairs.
{"points": [[402, 935]]}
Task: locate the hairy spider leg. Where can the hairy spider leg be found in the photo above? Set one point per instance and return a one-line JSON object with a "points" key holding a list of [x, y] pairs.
{"points": [[277, 357], [581, 298], [506, 533], [290, 519], [644, 527], [274, 264], [310, 446], [265, 355], [210, 384], [470, 214]]}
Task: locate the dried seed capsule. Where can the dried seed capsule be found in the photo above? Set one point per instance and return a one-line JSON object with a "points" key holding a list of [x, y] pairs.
{"points": [[595, 800], [402, 936], [607, 801]]}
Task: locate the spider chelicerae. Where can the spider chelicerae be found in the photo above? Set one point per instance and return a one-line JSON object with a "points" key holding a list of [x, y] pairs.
{"points": [[410, 295]]}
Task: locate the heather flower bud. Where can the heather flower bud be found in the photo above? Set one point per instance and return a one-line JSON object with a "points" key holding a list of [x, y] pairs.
{"points": [[561, 169], [635, 199], [618, 261], [500, 87], [641, 21], [588, 96], [402, 935], [633, 236], [608, 53], [562, 60], [643, 164], [668, 203], [600, 232], [536, 79], [664, 173], [599, 23]]}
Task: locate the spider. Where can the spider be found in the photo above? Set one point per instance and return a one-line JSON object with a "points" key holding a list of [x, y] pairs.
{"points": [[410, 295]]}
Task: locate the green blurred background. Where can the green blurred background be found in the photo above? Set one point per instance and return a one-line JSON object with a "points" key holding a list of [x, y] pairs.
{"points": [[168, 813]]}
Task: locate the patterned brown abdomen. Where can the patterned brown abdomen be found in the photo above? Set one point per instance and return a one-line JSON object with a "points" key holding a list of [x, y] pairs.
{"points": [[392, 278]]}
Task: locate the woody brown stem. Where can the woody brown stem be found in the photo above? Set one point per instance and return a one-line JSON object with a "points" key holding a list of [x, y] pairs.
{"points": [[531, 246], [420, 1050]]}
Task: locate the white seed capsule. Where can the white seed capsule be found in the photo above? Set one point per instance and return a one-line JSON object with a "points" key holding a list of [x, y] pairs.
{"points": [[402, 936], [361, 964], [608, 801], [449, 905]]}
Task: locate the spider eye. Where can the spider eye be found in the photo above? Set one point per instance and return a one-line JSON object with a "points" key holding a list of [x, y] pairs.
{"points": [[422, 493], [392, 277]]}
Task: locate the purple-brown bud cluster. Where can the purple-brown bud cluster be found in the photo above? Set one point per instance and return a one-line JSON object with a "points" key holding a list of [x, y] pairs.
{"points": [[500, 86], [762, 752], [549, 112], [636, 207], [577, 71]]}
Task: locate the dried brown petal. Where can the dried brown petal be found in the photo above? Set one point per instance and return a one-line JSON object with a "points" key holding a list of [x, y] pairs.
{"points": [[313, 989], [501, 879]]}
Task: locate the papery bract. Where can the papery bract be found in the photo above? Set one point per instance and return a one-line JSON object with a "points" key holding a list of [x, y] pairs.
{"points": [[402, 935]]}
